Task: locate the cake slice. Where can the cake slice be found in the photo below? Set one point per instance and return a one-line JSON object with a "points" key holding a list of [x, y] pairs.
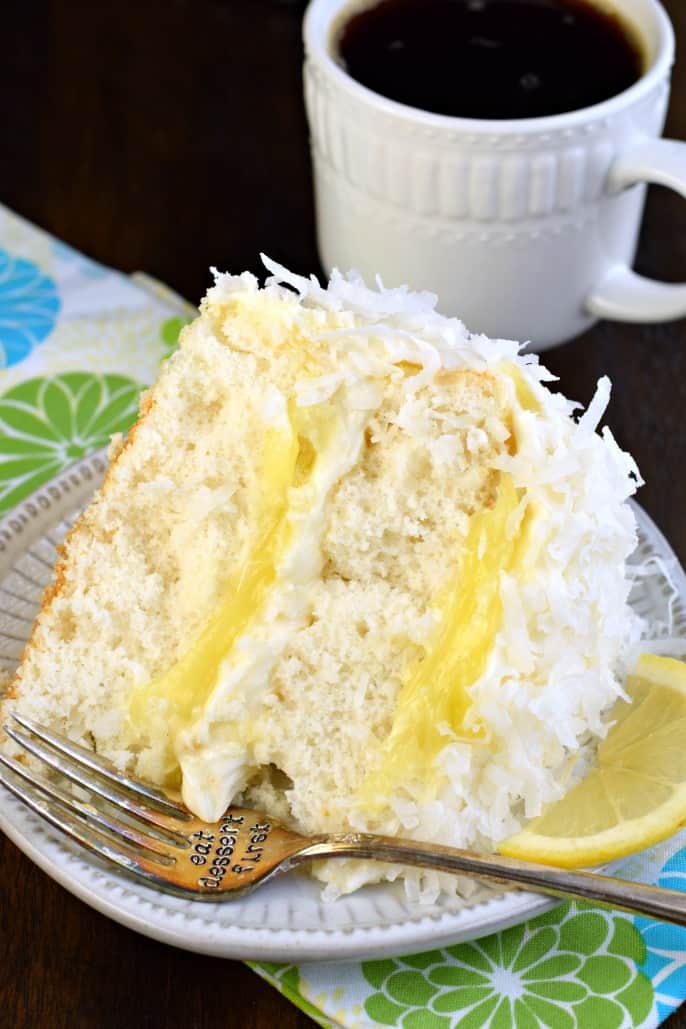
{"points": [[353, 565]]}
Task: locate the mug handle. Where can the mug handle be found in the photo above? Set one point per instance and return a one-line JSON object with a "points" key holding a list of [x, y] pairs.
{"points": [[624, 296]]}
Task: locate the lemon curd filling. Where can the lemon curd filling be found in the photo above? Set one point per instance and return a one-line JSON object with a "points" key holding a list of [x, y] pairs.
{"points": [[300, 462], [179, 692], [434, 700]]}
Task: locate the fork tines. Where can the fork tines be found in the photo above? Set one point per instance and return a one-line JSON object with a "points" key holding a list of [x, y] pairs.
{"points": [[134, 825]]}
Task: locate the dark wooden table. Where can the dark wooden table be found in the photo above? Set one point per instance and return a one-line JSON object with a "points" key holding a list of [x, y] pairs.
{"points": [[168, 137]]}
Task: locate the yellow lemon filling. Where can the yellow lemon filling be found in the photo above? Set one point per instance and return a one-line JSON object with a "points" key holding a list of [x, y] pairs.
{"points": [[288, 484], [434, 700], [186, 685]]}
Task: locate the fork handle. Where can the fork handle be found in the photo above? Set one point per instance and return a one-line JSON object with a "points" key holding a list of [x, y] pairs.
{"points": [[621, 894]]}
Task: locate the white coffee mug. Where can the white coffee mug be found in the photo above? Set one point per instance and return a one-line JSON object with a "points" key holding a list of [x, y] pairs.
{"points": [[525, 229]]}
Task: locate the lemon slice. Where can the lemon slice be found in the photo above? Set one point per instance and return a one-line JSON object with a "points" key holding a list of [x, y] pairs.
{"points": [[635, 795]]}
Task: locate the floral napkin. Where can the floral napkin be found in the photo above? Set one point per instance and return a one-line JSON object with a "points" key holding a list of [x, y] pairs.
{"points": [[77, 344], [576, 967]]}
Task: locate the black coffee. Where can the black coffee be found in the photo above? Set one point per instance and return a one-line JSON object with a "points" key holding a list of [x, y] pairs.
{"points": [[491, 58]]}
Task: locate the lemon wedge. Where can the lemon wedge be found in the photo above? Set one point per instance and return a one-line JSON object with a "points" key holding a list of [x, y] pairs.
{"points": [[635, 795]]}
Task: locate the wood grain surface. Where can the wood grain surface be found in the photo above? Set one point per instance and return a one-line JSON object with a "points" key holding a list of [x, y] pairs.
{"points": [[169, 137]]}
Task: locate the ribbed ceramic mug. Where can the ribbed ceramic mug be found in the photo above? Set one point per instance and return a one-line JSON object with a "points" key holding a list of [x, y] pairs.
{"points": [[525, 229]]}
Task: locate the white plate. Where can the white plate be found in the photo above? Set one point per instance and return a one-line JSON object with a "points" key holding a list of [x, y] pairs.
{"points": [[285, 920]]}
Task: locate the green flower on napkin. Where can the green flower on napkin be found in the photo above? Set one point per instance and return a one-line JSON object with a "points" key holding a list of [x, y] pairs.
{"points": [[572, 967], [46, 424]]}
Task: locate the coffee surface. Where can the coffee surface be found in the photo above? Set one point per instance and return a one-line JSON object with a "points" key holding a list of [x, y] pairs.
{"points": [[491, 58]]}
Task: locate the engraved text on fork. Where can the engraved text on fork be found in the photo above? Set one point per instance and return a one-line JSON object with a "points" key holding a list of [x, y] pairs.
{"points": [[234, 847]]}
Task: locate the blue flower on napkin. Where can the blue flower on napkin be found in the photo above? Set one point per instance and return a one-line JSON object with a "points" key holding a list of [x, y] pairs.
{"points": [[29, 304], [665, 962]]}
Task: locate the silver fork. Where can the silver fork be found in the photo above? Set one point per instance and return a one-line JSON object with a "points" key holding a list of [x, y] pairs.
{"points": [[150, 835]]}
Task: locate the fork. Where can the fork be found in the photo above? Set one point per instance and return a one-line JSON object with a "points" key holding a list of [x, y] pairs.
{"points": [[149, 834]]}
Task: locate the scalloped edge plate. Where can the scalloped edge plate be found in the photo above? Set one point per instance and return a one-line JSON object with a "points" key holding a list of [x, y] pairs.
{"points": [[285, 920]]}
